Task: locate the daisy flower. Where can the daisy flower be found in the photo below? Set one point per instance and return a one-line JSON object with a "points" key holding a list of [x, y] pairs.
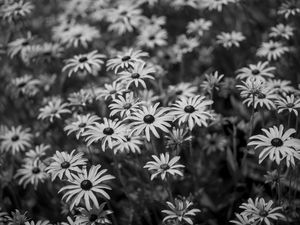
{"points": [[89, 63], [126, 60], [20, 46], [81, 98], [250, 87], [163, 166], [177, 136], [277, 144], [182, 3], [182, 89], [149, 120], [110, 91], [259, 71], [212, 81], [281, 30], [214, 142], [242, 220], [17, 218], [216, 4], [198, 26], [152, 36], [54, 109], [180, 211], [184, 45], [37, 153], [229, 40], [289, 103], [13, 11], [107, 132], [261, 211], [192, 110], [26, 85], [15, 139], [65, 164], [272, 50], [124, 106], [280, 86], [75, 35], [80, 124], [137, 75], [264, 98], [39, 222], [85, 186], [132, 143], [32, 173], [289, 8], [93, 216]]}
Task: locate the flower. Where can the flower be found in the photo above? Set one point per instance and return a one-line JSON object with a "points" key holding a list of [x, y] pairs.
{"points": [[90, 63], [281, 30], [212, 81], [182, 89], [80, 124], [93, 216], [106, 132], [214, 142], [261, 211], [272, 50], [16, 139], [198, 26], [230, 39], [288, 9], [85, 186], [39, 222], [65, 164], [26, 85], [280, 86], [75, 35], [110, 90], [137, 75], [13, 11], [82, 97], [182, 3], [126, 60], [124, 106], [260, 71], [243, 220], [37, 153], [32, 173], [184, 45], [150, 119], [277, 144], [216, 4], [289, 103], [152, 36], [180, 211], [177, 136], [251, 87], [163, 166], [132, 143], [20, 46], [192, 110], [54, 109], [17, 218]]}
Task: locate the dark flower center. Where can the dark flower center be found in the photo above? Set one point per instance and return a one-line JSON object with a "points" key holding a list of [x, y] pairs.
{"points": [[113, 92], [15, 138], [65, 165], [86, 185], [135, 75], [290, 105], [81, 125], [108, 131], [273, 48], [164, 166], [179, 92], [189, 109], [152, 37], [263, 213], [276, 142], [128, 138], [126, 58], [93, 217], [22, 84], [36, 170], [149, 119], [83, 59], [25, 43], [255, 71], [127, 106], [261, 96]]}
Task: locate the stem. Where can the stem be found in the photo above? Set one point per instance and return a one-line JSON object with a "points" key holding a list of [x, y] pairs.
{"points": [[289, 120], [278, 184], [252, 115], [169, 190]]}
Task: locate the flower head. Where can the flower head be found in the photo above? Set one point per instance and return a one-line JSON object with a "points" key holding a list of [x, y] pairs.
{"points": [[54, 109], [259, 71], [229, 40], [288, 103], [272, 50], [93, 216]]}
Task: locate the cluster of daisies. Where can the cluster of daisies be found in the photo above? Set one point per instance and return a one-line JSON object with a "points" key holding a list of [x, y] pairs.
{"points": [[94, 106]]}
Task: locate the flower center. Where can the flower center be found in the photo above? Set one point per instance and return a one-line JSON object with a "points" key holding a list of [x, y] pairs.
{"points": [[149, 119], [261, 96], [263, 213], [25, 43], [108, 131], [83, 59], [164, 166], [179, 92], [65, 165], [86, 185], [135, 75], [113, 92], [290, 105], [255, 72], [15, 138], [22, 84], [81, 125], [36, 170], [126, 58], [93, 217], [189, 109], [127, 106], [276, 142]]}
